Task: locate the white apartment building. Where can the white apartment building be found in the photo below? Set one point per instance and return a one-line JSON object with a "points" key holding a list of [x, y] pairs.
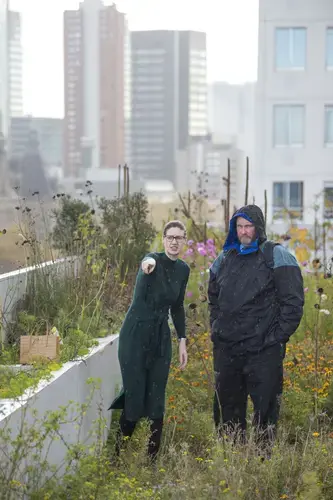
{"points": [[294, 106], [15, 64]]}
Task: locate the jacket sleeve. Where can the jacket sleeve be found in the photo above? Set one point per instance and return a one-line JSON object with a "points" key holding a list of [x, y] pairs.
{"points": [[290, 293], [213, 289], [178, 311]]}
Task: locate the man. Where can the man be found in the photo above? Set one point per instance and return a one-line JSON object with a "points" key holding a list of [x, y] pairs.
{"points": [[256, 299]]}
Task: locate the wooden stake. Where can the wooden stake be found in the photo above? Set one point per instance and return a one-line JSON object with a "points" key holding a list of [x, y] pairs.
{"points": [[119, 180], [265, 195], [228, 190], [247, 181], [125, 179]]}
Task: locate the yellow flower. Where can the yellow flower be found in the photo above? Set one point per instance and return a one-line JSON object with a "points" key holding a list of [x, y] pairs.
{"points": [[315, 434]]}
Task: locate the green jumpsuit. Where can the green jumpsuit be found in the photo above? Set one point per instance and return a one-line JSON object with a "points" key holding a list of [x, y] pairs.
{"points": [[145, 341]]}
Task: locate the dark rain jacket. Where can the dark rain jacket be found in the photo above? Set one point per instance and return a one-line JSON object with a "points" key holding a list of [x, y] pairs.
{"points": [[253, 306]]}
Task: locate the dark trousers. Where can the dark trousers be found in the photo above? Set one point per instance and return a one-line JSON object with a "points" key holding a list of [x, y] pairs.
{"points": [[127, 427], [258, 375]]}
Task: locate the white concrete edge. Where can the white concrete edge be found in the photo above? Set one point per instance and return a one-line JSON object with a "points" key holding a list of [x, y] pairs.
{"points": [[8, 406], [25, 270]]}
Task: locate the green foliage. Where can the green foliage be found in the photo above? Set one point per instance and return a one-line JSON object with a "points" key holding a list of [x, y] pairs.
{"points": [[67, 218], [128, 232], [192, 463], [76, 344], [13, 383]]}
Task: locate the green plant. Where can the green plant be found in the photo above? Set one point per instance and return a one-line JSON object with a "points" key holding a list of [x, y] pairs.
{"points": [[129, 235], [67, 218]]}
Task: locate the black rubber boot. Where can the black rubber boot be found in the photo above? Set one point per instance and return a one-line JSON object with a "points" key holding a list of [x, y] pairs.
{"points": [[125, 430], [156, 428]]}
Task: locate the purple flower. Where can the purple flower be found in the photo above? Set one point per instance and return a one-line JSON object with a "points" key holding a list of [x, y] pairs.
{"points": [[210, 242], [190, 243], [211, 251], [189, 294], [202, 251]]}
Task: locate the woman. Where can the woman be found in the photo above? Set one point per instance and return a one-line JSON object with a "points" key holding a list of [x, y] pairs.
{"points": [[145, 342]]}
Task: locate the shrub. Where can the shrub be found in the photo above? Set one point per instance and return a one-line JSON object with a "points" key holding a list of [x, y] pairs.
{"points": [[66, 219], [128, 232]]}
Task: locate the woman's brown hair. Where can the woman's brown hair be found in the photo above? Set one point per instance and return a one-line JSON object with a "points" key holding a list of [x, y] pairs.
{"points": [[174, 223]]}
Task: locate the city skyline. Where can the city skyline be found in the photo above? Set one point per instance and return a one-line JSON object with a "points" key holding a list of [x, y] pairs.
{"points": [[231, 57]]}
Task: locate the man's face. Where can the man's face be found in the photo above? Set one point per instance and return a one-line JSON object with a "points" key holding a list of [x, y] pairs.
{"points": [[246, 231]]}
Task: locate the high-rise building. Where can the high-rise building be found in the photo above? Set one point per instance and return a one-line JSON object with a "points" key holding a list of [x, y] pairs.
{"points": [[294, 132], [94, 46], [49, 134], [15, 64], [169, 99], [3, 68], [3, 95]]}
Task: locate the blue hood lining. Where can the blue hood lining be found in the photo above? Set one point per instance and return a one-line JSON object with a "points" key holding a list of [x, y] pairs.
{"points": [[232, 242]]}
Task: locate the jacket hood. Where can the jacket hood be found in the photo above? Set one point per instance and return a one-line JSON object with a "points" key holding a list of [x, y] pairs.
{"points": [[253, 214]]}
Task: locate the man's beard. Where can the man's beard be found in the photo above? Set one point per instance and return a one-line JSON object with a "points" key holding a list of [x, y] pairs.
{"points": [[246, 240]]}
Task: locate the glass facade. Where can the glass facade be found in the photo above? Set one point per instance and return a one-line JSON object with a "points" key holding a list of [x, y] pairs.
{"points": [[3, 68]]}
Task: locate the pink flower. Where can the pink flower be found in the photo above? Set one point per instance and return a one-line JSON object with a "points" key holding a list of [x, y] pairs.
{"points": [[306, 289], [189, 294]]}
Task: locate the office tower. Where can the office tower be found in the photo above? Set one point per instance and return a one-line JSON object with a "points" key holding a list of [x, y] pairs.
{"points": [[94, 45], [169, 99], [15, 64], [3, 68]]}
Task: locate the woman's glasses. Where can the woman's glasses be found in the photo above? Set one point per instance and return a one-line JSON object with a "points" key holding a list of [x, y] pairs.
{"points": [[178, 239]]}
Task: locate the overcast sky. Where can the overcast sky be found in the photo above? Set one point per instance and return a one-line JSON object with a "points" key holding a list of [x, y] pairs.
{"points": [[231, 27]]}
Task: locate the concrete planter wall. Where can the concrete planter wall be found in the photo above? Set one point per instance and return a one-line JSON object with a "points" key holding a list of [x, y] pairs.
{"points": [[67, 384], [13, 285]]}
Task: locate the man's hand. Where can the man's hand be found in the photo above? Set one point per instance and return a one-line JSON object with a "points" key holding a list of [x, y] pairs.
{"points": [[148, 265], [182, 354]]}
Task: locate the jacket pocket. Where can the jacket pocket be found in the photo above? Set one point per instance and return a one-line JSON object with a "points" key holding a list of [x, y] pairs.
{"points": [[270, 339]]}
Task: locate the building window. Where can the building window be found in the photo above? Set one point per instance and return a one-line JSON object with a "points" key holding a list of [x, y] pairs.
{"points": [[288, 125], [329, 48], [288, 199], [328, 202], [290, 48], [329, 125]]}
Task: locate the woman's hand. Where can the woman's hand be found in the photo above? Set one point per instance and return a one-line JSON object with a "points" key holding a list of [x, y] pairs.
{"points": [[148, 265], [182, 354]]}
